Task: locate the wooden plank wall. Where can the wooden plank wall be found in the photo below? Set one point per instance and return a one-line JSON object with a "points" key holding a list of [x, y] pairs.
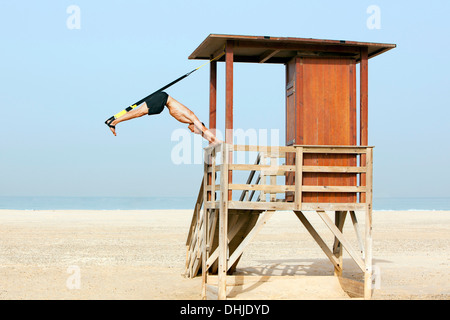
{"points": [[325, 114]]}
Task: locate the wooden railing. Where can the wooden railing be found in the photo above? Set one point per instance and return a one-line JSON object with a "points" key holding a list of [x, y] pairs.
{"points": [[219, 168]]}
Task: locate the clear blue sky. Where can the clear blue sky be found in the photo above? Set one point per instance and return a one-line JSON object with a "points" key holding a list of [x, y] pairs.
{"points": [[58, 85]]}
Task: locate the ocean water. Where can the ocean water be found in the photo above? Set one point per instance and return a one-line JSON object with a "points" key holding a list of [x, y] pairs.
{"points": [[152, 203], [96, 203], [412, 204]]}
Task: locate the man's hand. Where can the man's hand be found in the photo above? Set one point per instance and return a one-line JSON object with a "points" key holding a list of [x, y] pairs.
{"points": [[113, 130], [112, 125]]}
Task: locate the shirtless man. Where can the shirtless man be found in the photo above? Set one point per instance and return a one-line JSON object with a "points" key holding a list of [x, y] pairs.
{"points": [[155, 105]]}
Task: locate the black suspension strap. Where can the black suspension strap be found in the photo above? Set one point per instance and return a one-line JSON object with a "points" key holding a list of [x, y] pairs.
{"points": [[121, 113]]}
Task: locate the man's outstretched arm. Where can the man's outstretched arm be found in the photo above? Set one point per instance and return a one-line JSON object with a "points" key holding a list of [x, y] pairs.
{"points": [[176, 110], [185, 115]]}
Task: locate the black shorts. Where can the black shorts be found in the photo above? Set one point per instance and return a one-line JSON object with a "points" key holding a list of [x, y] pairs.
{"points": [[156, 102]]}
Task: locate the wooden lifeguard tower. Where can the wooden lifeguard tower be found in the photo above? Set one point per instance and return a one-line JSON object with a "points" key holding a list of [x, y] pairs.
{"points": [[327, 163]]}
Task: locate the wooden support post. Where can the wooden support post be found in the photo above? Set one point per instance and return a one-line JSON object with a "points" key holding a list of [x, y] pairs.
{"points": [[212, 119], [204, 251], [339, 219], [262, 175], [273, 178], [213, 176], [364, 111], [368, 225], [358, 232], [204, 234], [298, 177], [212, 229], [223, 226], [229, 58], [299, 100], [212, 96]]}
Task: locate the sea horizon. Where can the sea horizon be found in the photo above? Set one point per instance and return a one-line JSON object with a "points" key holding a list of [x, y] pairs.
{"points": [[182, 203]]}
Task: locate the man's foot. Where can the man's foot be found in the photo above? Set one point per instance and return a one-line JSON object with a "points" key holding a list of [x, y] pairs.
{"points": [[110, 123]]}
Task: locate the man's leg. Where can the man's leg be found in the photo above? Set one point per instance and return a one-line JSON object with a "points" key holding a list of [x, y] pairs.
{"points": [[142, 110]]}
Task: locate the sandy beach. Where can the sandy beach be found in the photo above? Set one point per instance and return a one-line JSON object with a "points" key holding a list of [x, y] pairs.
{"points": [[141, 255]]}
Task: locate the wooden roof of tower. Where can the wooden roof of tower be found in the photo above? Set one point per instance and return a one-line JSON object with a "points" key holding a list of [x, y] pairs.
{"points": [[264, 49]]}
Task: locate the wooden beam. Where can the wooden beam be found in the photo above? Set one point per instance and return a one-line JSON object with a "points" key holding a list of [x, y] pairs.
{"points": [[368, 235], [212, 176], [250, 177], [194, 216], [338, 234], [364, 110], [358, 233], [327, 169], [332, 189], [204, 253], [223, 227], [318, 239], [332, 206], [306, 149], [291, 168], [306, 206], [216, 205], [229, 57], [213, 95], [273, 178], [212, 228], [218, 53], [197, 247], [299, 47], [339, 219], [261, 222], [260, 167], [229, 93], [258, 179], [267, 55], [352, 127], [298, 178], [262, 180], [259, 205], [256, 59], [190, 259], [212, 112], [264, 149], [267, 188], [334, 149], [212, 258], [299, 97], [204, 236]]}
